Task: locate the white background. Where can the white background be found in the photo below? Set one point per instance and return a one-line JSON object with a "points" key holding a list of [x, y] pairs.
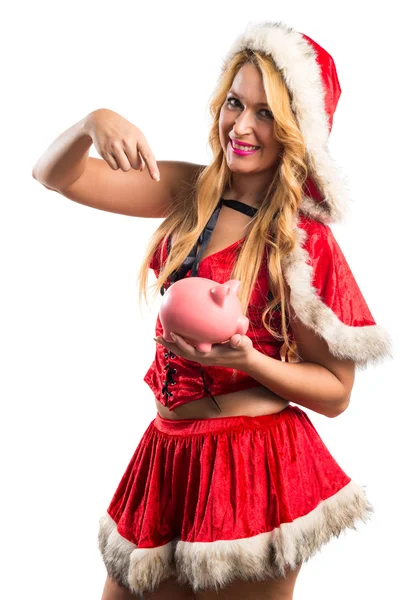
{"points": [[75, 346]]}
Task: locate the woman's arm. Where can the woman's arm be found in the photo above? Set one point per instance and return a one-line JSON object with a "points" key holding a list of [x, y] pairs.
{"points": [[322, 383]]}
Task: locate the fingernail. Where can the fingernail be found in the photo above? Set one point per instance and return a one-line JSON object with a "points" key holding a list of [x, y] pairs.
{"points": [[173, 337], [156, 176]]}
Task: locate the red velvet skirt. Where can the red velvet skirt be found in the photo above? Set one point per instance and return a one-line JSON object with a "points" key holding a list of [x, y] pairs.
{"points": [[214, 500]]}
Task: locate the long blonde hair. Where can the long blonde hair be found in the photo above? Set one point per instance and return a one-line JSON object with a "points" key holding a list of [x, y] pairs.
{"points": [[273, 222]]}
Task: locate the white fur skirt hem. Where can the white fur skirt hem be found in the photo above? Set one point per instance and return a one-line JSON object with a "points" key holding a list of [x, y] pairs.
{"points": [[214, 565]]}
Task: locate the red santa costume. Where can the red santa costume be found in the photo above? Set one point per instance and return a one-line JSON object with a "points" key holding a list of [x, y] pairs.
{"points": [[214, 500]]}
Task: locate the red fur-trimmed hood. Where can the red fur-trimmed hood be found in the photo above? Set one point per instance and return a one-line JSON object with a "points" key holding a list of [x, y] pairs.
{"points": [[311, 77]]}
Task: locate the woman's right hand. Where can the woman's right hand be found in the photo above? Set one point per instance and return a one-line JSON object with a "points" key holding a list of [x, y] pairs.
{"points": [[120, 143]]}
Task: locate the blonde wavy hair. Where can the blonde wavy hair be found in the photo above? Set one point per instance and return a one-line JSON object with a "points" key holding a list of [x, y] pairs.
{"points": [[273, 222]]}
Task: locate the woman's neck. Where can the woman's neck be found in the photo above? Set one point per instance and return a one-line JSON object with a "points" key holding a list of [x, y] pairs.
{"points": [[250, 190]]}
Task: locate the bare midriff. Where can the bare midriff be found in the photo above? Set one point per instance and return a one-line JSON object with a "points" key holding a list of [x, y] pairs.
{"points": [[252, 402]]}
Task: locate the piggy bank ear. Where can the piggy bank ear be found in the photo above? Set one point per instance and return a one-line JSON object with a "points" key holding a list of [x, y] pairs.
{"points": [[233, 284], [325, 296], [222, 290], [219, 293]]}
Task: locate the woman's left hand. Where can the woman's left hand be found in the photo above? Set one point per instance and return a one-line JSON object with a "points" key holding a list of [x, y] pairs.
{"points": [[234, 354]]}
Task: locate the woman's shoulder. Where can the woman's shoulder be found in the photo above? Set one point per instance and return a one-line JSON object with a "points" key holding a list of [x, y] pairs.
{"points": [[187, 175], [311, 225], [311, 232], [189, 170]]}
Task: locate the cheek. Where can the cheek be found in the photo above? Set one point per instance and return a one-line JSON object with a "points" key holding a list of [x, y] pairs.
{"points": [[226, 122], [224, 129], [275, 147]]}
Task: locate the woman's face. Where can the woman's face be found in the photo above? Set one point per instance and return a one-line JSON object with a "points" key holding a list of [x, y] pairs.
{"points": [[245, 116]]}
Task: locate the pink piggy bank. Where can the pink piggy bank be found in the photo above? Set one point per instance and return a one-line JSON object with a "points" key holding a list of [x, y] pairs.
{"points": [[202, 311]]}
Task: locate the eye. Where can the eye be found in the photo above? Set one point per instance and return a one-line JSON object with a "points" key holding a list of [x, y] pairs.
{"points": [[269, 114], [230, 102]]}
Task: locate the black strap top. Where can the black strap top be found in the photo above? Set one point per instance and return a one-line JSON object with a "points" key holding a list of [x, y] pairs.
{"points": [[193, 259]]}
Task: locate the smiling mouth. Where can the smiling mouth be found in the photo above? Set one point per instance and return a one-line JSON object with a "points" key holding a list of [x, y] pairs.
{"points": [[239, 152], [244, 148]]}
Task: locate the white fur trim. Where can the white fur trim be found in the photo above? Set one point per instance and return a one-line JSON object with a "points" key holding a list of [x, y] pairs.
{"points": [[366, 345], [296, 59], [137, 569], [213, 565]]}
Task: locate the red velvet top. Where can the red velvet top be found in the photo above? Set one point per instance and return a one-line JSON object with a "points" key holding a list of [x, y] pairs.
{"points": [[325, 297], [186, 374]]}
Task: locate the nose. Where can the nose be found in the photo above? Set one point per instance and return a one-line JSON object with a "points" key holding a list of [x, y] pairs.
{"points": [[243, 123]]}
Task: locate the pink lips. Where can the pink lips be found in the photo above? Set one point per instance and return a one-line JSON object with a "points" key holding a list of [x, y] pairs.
{"points": [[241, 143], [242, 152]]}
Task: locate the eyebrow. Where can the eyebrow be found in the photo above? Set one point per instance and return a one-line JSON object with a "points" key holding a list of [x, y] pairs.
{"points": [[242, 97]]}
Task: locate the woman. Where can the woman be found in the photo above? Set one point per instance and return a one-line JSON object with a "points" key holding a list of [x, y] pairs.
{"points": [[226, 497]]}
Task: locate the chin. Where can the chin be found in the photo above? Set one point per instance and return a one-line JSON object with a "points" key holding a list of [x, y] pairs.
{"points": [[237, 169], [236, 165]]}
